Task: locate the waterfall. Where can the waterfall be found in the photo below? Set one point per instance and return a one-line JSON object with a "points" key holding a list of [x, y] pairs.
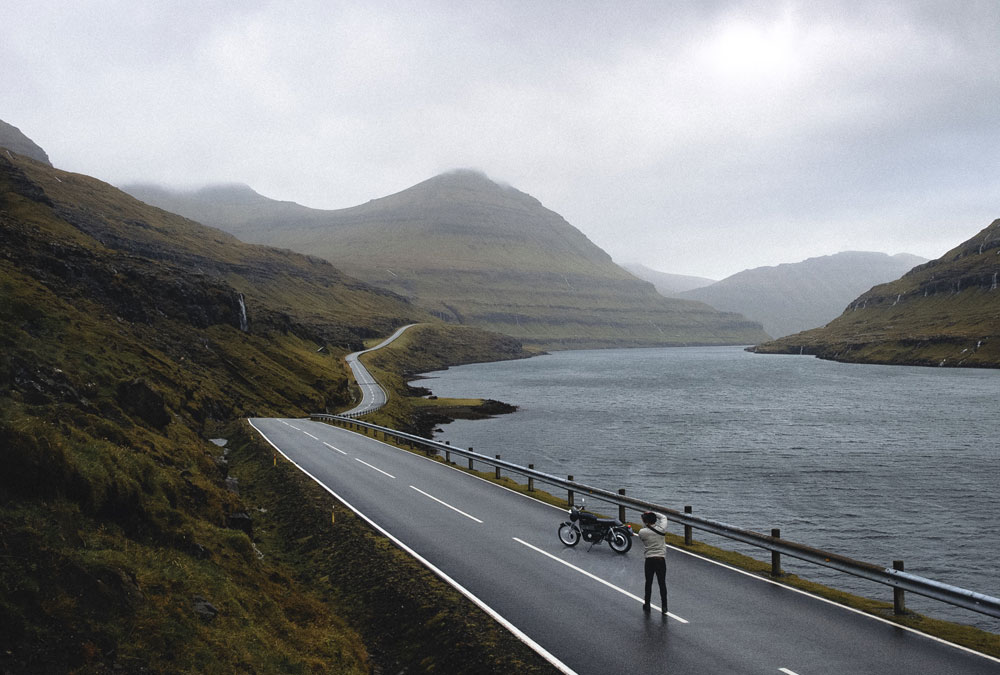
{"points": [[244, 325]]}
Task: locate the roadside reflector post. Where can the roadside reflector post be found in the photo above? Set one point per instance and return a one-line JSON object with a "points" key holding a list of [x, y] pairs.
{"points": [[621, 507], [687, 529], [531, 479], [569, 493], [775, 556], [333, 516], [276, 460], [898, 594], [497, 472]]}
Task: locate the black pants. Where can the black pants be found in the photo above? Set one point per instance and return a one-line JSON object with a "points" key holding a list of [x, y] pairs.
{"points": [[657, 567]]}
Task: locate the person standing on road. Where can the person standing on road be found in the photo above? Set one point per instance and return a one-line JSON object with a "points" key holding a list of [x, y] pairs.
{"points": [[652, 536]]}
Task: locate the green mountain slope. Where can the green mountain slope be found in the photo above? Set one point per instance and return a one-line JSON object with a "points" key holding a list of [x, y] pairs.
{"points": [[943, 313], [794, 297], [474, 252], [123, 346]]}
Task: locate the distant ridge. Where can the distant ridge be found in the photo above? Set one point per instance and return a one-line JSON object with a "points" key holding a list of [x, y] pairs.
{"points": [[473, 251], [669, 285], [793, 297], [943, 313], [15, 141]]}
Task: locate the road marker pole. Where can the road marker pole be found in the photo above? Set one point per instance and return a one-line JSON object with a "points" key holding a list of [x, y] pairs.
{"points": [[898, 594], [687, 529], [775, 556]]}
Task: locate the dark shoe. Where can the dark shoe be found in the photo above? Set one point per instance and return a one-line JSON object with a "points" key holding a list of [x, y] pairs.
{"points": [[664, 611], [645, 607]]}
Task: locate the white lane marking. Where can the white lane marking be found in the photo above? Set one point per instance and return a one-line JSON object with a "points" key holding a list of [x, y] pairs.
{"points": [[594, 577], [310, 435], [373, 467], [294, 427], [448, 505], [517, 632], [786, 671], [333, 448]]}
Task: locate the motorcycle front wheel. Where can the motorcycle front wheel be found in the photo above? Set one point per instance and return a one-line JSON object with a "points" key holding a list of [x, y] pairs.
{"points": [[568, 534], [620, 541]]}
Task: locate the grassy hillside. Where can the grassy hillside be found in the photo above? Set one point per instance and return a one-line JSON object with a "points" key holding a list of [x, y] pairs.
{"points": [[943, 313], [793, 297], [128, 338], [474, 252]]}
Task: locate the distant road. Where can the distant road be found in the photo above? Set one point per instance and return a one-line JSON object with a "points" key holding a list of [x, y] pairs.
{"points": [[373, 396], [582, 609]]}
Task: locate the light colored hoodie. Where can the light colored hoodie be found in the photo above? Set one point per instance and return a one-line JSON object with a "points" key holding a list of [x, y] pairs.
{"points": [[652, 537]]}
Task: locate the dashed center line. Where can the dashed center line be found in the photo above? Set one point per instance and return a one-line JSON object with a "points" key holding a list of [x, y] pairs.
{"points": [[594, 577], [334, 448], [786, 671], [373, 467], [294, 427], [447, 504], [310, 435]]}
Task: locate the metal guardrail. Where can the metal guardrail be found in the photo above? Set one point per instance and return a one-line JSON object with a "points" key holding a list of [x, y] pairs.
{"points": [[899, 580]]}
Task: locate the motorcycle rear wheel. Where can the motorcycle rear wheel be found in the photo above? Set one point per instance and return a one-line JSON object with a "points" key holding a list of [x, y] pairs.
{"points": [[619, 541], [568, 534]]}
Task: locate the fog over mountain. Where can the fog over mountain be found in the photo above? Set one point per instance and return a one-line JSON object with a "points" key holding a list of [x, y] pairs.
{"points": [[793, 297], [703, 137]]}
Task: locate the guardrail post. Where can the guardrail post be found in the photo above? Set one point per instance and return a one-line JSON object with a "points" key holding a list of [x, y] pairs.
{"points": [[898, 594], [470, 459], [447, 456], [569, 493], [775, 556], [621, 507], [531, 479], [687, 529], [497, 472]]}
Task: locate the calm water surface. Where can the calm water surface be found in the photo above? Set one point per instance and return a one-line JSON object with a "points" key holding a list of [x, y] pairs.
{"points": [[878, 463]]}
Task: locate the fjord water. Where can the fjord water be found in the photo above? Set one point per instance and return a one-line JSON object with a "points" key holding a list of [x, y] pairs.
{"points": [[878, 463]]}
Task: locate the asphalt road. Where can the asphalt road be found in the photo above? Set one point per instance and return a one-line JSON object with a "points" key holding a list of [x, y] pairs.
{"points": [[582, 608], [372, 395]]}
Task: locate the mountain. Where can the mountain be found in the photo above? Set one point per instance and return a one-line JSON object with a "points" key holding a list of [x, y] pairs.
{"points": [[797, 296], [667, 284], [472, 251], [12, 139], [943, 313]]}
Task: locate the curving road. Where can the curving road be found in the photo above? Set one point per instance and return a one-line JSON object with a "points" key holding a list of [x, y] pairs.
{"points": [[373, 395], [582, 609]]}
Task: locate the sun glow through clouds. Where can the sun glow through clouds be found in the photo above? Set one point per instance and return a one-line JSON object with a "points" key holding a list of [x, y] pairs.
{"points": [[751, 53]]}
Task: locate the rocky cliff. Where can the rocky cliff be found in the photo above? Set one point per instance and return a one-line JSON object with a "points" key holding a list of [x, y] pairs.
{"points": [[13, 140]]}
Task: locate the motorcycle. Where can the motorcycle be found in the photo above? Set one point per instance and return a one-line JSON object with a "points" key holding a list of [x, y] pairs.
{"points": [[593, 529]]}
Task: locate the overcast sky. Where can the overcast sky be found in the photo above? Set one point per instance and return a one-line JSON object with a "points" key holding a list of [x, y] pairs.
{"points": [[697, 138]]}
